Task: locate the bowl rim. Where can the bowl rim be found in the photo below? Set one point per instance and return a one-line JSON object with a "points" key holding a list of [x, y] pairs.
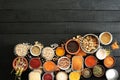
{"points": [[67, 48], [95, 49], [110, 39]]}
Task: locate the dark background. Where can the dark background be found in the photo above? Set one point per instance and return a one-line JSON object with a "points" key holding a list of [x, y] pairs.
{"points": [[53, 21]]}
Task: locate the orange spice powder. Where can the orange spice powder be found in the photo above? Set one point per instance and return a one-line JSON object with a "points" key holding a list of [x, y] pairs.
{"points": [[49, 66], [90, 61]]}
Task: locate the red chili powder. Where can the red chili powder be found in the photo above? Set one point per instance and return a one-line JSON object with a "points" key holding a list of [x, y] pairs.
{"points": [[47, 77], [90, 61], [35, 63]]}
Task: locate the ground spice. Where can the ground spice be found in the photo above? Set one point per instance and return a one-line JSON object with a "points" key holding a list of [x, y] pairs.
{"points": [[35, 63], [49, 66], [60, 51], [47, 77], [36, 50], [105, 38], [90, 61], [74, 76], [109, 61]]}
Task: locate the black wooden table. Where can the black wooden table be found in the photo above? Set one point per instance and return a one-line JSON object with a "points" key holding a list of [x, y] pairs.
{"points": [[53, 21]]}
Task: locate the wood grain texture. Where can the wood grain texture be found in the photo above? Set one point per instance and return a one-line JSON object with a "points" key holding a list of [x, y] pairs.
{"points": [[58, 28], [39, 16], [54, 21], [61, 4]]}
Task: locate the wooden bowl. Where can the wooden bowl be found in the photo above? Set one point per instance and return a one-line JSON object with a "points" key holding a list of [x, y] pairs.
{"points": [[19, 61], [71, 46]]}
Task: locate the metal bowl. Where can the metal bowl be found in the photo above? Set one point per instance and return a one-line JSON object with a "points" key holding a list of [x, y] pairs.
{"points": [[88, 44]]}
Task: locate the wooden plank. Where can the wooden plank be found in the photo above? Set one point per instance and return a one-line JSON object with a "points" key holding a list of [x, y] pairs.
{"points": [[58, 28], [61, 4], [36, 16]]}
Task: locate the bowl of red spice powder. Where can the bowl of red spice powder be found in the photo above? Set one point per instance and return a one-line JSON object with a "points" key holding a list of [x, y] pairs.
{"points": [[35, 63], [90, 61], [48, 76]]}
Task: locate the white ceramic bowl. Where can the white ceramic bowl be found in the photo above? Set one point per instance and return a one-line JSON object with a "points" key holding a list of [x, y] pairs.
{"points": [[112, 74], [62, 67], [48, 53], [102, 41], [101, 54], [34, 53]]}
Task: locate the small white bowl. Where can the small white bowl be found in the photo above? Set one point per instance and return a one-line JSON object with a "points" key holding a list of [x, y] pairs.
{"points": [[110, 39], [101, 54], [112, 74], [62, 67], [34, 53]]}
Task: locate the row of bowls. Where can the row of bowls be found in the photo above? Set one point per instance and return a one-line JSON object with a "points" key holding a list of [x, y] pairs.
{"points": [[90, 43]]}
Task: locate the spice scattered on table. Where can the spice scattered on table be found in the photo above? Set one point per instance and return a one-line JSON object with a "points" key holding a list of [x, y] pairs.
{"points": [[115, 45]]}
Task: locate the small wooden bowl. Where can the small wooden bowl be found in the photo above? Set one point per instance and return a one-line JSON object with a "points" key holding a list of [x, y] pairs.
{"points": [[66, 46], [112, 64], [86, 76], [16, 63], [103, 70], [94, 64]]}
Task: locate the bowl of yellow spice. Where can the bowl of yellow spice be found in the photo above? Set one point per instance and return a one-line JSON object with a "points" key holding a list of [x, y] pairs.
{"points": [[35, 50], [60, 51], [106, 38], [75, 75]]}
